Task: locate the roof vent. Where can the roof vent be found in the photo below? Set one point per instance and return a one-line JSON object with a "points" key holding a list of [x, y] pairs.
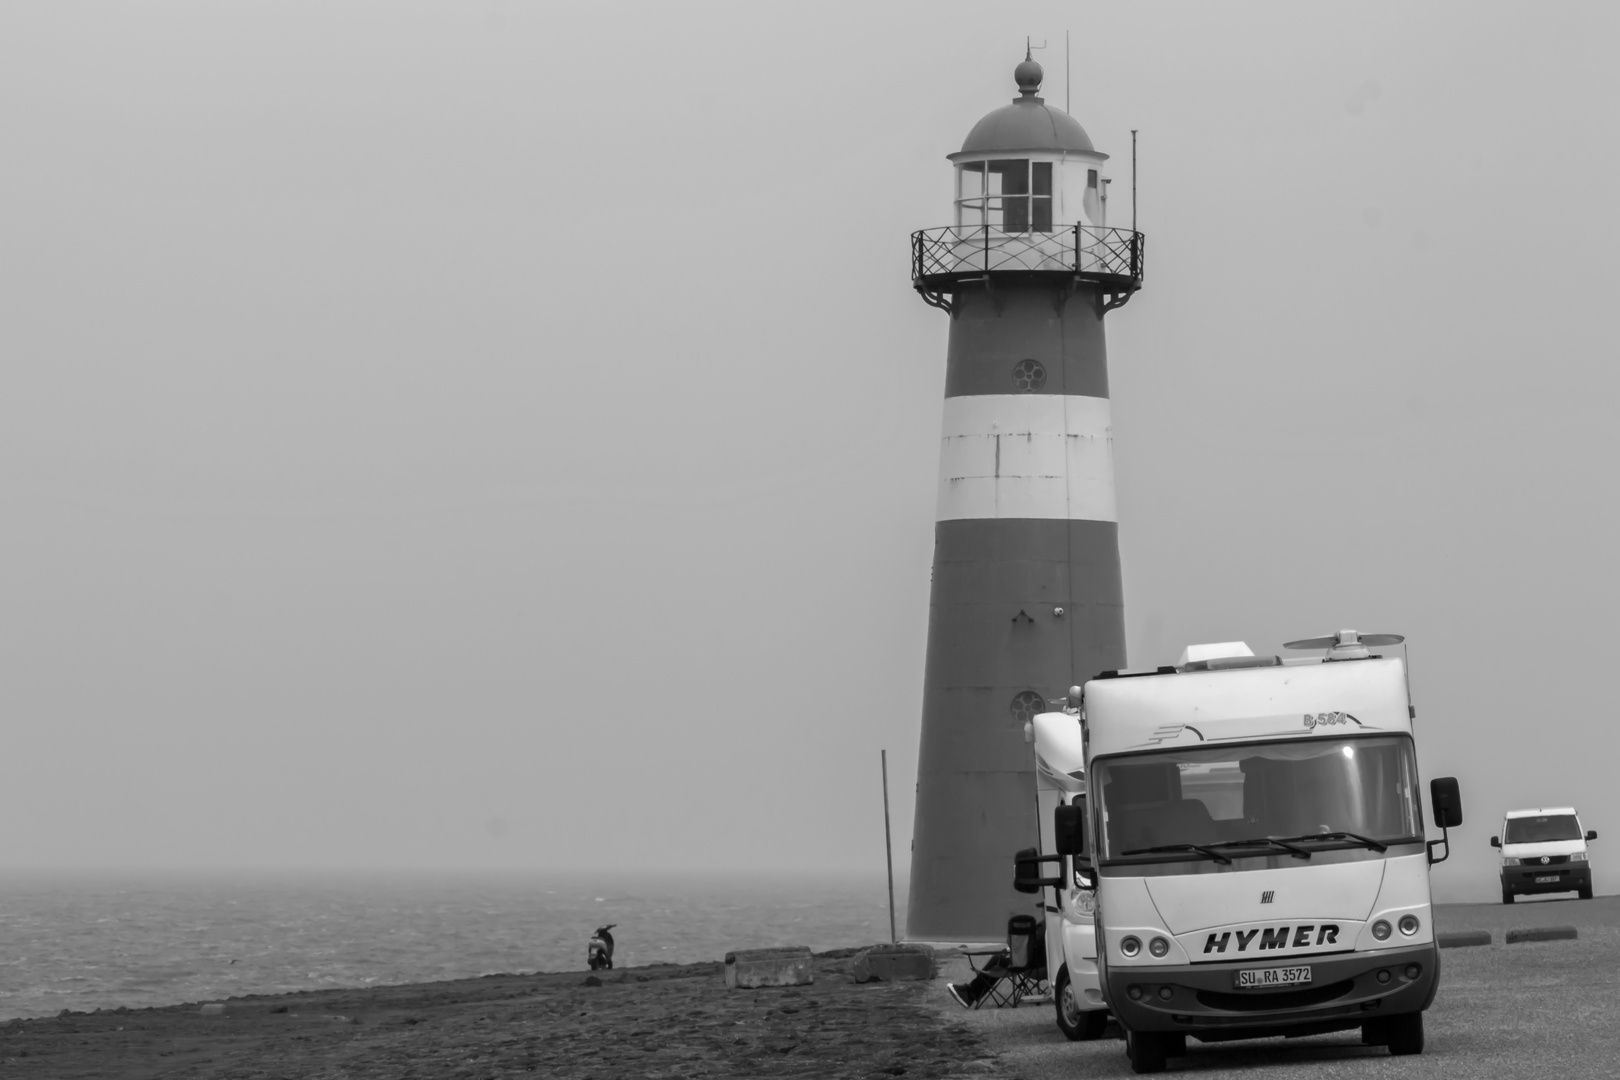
{"points": [[1220, 650]]}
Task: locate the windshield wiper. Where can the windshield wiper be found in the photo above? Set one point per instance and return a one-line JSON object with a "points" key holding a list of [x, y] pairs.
{"points": [[1166, 849], [1364, 841], [1296, 852]]}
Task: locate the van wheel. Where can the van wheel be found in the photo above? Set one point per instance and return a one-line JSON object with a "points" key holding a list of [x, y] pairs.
{"points": [[1146, 1049], [1077, 1023], [1507, 897], [1586, 892], [1404, 1034]]}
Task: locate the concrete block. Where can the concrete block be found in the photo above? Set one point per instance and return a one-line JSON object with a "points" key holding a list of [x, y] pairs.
{"points": [[1540, 933], [748, 969], [1456, 939], [894, 963]]}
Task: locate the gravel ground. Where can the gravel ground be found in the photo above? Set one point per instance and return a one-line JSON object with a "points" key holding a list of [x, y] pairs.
{"points": [[665, 1022], [1507, 1012]]}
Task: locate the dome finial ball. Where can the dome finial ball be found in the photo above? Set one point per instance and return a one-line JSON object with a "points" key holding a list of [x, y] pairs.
{"points": [[1028, 75]]}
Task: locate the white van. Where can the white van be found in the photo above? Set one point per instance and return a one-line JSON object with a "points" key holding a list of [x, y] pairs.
{"points": [[1544, 850]]}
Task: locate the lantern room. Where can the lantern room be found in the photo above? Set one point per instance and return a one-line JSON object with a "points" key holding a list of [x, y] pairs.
{"points": [[1029, 168]]}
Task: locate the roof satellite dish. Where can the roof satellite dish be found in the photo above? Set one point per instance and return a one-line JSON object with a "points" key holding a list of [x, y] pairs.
{"points": [[1346, 644]]}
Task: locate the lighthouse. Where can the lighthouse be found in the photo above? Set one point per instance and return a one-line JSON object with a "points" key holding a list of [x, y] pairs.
{"points": [[1026, 597]]}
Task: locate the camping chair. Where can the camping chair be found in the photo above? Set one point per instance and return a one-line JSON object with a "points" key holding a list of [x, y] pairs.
{"points": [[1004, 977]]}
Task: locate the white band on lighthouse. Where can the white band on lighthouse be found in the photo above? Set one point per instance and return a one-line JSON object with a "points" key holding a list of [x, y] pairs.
{"points": [[1027, 456]]}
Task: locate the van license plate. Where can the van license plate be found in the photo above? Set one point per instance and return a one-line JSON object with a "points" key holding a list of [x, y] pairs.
{"points": [[1546, 877], [1252, 978]]}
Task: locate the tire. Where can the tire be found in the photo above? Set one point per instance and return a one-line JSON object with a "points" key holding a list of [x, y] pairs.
{"points": [[1146, 1050], [1078, 1024], [1507, 897], [1586, 892], [1404, 1034]]}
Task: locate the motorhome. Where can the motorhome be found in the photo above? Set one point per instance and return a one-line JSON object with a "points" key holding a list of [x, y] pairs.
{"points": [[1254, 830], [1543, 851]]}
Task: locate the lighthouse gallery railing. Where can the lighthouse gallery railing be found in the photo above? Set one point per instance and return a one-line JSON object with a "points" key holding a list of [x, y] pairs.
{"points": [[940, 256]]}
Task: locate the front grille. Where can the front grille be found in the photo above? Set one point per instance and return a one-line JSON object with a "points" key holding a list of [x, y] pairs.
{"points": [[1285, 999]]}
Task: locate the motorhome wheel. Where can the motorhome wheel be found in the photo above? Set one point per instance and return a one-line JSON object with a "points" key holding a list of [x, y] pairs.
{"points": [[1146, 1051], [1405, 1034], [1077, 1023]]}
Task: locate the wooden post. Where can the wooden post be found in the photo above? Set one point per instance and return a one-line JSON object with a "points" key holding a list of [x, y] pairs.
{"points": [[888, 845]]}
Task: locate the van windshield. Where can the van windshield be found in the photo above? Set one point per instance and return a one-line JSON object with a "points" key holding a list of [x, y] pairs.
{"points": [[1227, 802], [1541, 829]]}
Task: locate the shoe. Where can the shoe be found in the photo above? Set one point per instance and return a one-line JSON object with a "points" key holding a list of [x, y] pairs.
{"points": [[956, 992]]}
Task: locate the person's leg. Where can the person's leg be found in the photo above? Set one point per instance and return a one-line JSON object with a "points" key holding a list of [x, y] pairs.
{"points": [[968, 994]]}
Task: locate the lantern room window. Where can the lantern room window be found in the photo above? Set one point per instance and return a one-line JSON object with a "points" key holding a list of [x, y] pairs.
{"points": [[1013, 195]]}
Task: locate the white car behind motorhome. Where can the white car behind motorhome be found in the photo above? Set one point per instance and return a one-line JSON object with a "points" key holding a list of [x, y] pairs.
{"points": [[1253, 828], [1543, 851]]}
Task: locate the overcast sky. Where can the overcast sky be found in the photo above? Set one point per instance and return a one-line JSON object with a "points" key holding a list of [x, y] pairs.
{"points": [[503, 436]]}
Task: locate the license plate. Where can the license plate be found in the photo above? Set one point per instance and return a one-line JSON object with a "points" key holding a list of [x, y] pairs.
{"points": [[1546, 877], [1252, 978]]}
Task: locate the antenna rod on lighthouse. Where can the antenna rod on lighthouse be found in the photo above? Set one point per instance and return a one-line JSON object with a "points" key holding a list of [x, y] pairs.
{"points": [[1133, 179], [1066, 73]]}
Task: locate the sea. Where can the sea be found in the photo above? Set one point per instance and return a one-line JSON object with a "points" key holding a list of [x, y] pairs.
{"points": [[81, 942]]}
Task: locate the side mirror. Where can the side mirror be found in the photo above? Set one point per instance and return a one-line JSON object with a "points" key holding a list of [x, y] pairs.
{"points": [[1446, 797], [1069, 827], [1591, 834], [1027, 871], [1496, 841]]}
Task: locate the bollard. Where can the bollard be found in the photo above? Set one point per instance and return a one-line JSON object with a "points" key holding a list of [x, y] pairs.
{"points": [[1455, 939]]}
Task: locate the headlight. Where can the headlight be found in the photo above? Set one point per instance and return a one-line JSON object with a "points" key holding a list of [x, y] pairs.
{"points": [[1158, 947], [1409, 925], [1381, 930], [1130, 946], [1509, 862], [1579, 856], [1085, 902]]}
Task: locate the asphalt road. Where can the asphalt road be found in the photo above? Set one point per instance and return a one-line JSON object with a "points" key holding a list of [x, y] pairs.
{"points": [[1505, 1012]]}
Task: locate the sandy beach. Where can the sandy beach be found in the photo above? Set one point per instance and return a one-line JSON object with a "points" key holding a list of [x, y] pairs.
{"points": [[664, 1021]]}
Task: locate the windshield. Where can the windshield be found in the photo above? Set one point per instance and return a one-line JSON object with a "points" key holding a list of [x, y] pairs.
{"points": [[1354, 791], [1541, 829]]}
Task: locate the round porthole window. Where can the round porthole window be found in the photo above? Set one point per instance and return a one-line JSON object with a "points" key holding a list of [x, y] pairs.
{"points": [[1029, 376]]}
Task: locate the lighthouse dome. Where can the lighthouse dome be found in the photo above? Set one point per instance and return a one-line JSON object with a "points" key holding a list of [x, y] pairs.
{"points": [[1029, 123]]}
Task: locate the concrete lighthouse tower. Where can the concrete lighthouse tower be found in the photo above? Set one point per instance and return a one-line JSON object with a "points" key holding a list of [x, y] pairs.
{"points": [[1026, 596]]}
